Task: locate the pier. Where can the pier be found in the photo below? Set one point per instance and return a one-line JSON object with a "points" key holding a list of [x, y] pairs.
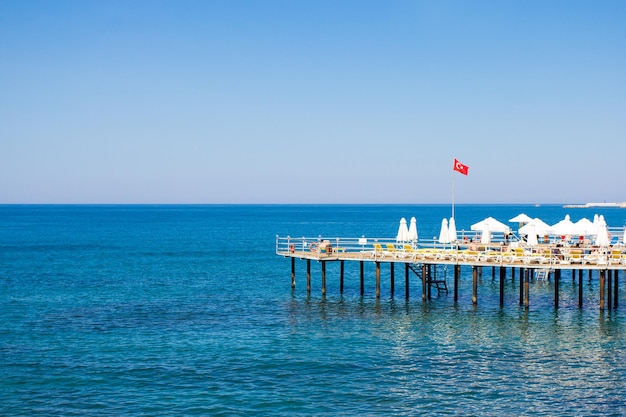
{"points": [[547, 261]]}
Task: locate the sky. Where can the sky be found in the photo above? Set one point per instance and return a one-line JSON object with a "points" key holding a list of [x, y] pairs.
{"points": [[312, 101]]}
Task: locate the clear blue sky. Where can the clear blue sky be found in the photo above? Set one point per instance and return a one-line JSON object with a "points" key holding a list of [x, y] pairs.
{"points": [[312, 101]]}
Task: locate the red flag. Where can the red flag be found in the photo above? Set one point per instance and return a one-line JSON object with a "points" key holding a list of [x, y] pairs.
{"points": [[459, 167]]}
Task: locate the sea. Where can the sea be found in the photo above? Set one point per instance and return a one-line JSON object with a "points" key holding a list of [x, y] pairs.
{"points": [[186, 310]]}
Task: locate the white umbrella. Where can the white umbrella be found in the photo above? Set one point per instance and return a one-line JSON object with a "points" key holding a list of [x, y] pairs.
{"points": [[585, 227], [492, 225], [536, 226], [413, 230], [403, 232], [452, 230], [521, 218], [563, 228], [443, 234], [603, 233]]}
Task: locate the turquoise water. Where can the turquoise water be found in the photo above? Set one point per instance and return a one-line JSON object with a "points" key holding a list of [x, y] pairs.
{"points": [[186, 310]]}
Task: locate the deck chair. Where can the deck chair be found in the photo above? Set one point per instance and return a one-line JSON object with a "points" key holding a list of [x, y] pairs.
{"points": [[616, 257], [576, 256], [378, 251], [391, 250]]}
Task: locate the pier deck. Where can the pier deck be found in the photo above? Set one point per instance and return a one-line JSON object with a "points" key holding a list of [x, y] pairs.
{"points": [[543, 260], [554, 256]]}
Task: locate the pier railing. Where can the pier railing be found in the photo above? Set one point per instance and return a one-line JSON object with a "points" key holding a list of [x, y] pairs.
{"points": [[464, 251]]}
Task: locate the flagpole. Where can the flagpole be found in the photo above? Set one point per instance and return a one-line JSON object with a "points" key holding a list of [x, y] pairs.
{"points": [[452, 194]]}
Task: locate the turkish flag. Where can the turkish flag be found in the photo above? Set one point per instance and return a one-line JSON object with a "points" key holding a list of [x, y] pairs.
{"points": [[459, 167]]}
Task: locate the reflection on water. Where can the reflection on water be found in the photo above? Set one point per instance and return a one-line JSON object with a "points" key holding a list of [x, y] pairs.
{"points": [[444, 357]]}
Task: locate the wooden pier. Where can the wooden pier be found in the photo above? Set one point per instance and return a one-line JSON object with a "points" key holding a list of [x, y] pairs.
{"points": [[541, 262]]}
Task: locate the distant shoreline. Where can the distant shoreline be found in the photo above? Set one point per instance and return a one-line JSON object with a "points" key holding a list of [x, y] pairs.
{"points": [[591, 205]]}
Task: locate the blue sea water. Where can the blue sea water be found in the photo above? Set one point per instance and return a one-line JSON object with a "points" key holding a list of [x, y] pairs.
{"points": [[186, 310]]}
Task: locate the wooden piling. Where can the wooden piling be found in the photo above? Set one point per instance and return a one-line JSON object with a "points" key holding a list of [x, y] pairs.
{"points": [[615, 288], [341, 277], [428, 280], [392, 278], [602, 278], [308, 276], [580, 288], [502, 277], [457, 273], [377, 279], [362, 280], [609, 289], [406, 280], [424, 284], [557, 279], [293, 273], [526, 288], [521, 286], [474, 285], [323, 278]]}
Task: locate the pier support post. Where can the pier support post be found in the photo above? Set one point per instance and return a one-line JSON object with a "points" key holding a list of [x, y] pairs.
{"points": [[474, 285], [362, 280], [308, 276], [341, 277], [406, 280], [615, 288], [424, 283], [493, 272], [580, 288], [557, 279], [513, 275], [392, 278], [573, 276], [377, 279], [521, 286], [457, 273], [526, 288], [429, 279], [602, 278], [323, 278], [502, 277], [293, 273], [609, 289]]}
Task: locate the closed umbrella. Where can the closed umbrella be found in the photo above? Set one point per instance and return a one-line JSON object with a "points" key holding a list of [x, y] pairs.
{"points": [[413, 230], [602, 239], [443, 234], [452, 230], [531, 238], [486, 235], [403, 231]]}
